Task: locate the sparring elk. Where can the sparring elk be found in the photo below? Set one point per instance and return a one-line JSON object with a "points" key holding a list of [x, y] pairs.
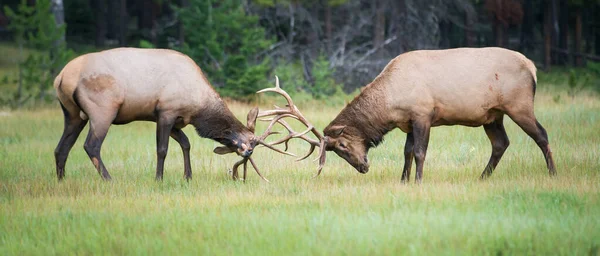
{"points": [[122, 85], [423, 89]]}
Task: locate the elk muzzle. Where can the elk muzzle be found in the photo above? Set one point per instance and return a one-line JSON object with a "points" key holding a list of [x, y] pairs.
{"points": [[245, 149]]}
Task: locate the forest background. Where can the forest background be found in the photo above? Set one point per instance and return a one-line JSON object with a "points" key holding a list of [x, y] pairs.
{"points": [[317, 47]]}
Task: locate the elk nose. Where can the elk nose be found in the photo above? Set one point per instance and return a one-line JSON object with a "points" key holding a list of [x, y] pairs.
{"points": [[247, 153]]}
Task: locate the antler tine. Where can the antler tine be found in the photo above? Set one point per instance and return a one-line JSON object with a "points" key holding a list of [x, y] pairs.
{"points": [[274, 120], [322, 157], [291, 111], [312, 149], [245, 169], [278, 89], [292, 135], [300, 135], [275, 149], [256, 169], [273, 112], [234, 171]]}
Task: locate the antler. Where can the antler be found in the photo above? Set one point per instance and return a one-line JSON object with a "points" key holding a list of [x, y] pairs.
{"points": [[293, 112], [244, 161]]}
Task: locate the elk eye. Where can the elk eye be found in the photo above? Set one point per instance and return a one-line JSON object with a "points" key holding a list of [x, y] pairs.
{"points": [[342, 145]]}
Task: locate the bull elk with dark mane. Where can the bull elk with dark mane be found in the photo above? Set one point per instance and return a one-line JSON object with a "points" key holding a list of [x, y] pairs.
{"points": [[126, 84], [423, 89]]}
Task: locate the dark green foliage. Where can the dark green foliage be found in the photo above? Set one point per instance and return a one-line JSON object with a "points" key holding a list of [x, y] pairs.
{"points": [[146, 44], [291, 77], [80, 17], [320, 85], [324, 84], [34, 27], [226, 42]]}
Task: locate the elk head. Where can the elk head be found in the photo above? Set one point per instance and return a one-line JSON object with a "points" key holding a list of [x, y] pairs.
{"points": [[242, 143], [348, 143]]}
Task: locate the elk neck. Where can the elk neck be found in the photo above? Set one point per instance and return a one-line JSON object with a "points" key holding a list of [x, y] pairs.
{"points": [[367, 113], [217, 122]]}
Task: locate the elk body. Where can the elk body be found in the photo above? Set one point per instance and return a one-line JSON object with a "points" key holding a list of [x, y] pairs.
{"points": [[423, 89], [126, 84]]}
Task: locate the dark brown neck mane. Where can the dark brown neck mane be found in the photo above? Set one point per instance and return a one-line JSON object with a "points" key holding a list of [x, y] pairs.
{"points": [[217, 123], [367, 115]]}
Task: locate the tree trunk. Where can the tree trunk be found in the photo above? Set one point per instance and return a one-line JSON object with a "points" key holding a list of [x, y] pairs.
{"points": [[100, 18], [328, 27], [144, 14], [59, 17], [445, 34], [112, 20], [148, 11], [123, 23], [596, 20], [578, 30], [527, 29], [547, 35], [400, 12], [588, 30], [555, 30], [500, 32], [469, 37], [563, 43], [379, 35], [292, 31], [596, 30], [180, 28]]}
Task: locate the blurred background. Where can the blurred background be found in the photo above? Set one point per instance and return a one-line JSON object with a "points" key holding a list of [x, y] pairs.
{"points": [[318, 48]]}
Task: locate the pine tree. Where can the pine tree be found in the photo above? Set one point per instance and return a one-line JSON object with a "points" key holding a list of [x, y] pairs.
{"points": [[35, 27], [227, 43]]}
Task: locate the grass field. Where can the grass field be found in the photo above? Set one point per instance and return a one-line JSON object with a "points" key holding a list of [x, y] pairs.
{"points": [[519, 210]]}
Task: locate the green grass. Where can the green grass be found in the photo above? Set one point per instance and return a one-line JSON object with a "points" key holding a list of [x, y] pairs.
{"points": [[519, 210]]}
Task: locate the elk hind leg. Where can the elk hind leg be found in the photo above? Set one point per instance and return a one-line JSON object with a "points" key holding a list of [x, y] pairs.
{"points": [[527, 121], [421, 140], [497, 135], [98, 129], [72, 128]]}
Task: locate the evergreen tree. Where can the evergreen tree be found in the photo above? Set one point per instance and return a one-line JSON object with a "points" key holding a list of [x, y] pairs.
{"points": [[227, 44], [36, 27]]}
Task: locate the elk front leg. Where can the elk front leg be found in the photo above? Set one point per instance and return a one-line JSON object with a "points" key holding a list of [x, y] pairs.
{"points": [[497, 135], [179, 136], [421, 140], [163, 130], [408, 156]]}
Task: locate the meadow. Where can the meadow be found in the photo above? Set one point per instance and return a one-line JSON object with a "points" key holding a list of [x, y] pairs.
{"points": [[519, 210]]}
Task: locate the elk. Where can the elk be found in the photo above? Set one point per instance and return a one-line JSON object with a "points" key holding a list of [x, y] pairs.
{"points": [[423, 89], [122, 85]]}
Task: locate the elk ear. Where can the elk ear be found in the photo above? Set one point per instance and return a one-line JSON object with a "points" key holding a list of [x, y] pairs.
{"points": [[222, 150], [337, 130], [251, 120]]}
